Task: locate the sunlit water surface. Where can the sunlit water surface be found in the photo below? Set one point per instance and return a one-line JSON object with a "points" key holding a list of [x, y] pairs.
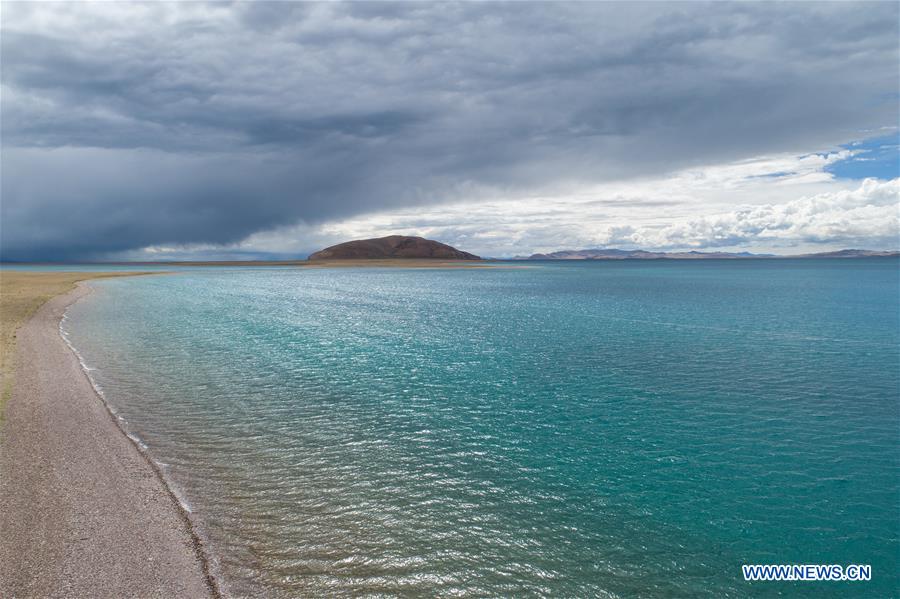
{"points": [[589, 429]]}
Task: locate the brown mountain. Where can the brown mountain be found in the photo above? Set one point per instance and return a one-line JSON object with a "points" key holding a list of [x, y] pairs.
{"points": [[392, 247]]}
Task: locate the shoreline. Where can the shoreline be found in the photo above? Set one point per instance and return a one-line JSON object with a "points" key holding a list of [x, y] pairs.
{"points": [[21, 294], [178, 502], [325, 263], [85, 508]]}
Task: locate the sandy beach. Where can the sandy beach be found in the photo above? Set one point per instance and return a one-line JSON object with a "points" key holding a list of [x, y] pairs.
{"points": [[83, 513]]}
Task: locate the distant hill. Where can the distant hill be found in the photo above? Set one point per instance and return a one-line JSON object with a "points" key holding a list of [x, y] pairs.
{"points": [[392, 247], [616, 254], [849, 254]]}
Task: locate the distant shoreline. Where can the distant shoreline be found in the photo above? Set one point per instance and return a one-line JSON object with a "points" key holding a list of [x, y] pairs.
{"points": [[483, 263], [711, 259], [338, 263]]}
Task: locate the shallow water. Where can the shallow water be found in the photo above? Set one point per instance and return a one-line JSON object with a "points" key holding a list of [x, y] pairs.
{"points": [[577, 429]]}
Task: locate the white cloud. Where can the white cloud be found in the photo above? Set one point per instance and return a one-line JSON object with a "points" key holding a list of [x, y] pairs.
{"points": [[868, 214], [783, 204]]}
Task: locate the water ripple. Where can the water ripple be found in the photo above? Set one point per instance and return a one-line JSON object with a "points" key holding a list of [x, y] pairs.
{"points": [[576, 430]]}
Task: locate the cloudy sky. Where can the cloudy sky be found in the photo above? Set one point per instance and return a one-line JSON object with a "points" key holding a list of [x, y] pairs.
{"points": [[163, 130]]}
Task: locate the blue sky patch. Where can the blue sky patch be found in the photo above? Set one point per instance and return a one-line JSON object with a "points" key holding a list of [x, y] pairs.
{"points": [[876, 157]]}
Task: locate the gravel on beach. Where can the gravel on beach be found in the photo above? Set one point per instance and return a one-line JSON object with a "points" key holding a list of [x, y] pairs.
{"points": [[83, 513]]}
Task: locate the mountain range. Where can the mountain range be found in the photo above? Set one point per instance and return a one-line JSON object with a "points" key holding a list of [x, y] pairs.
{"points": [[617, 254]]}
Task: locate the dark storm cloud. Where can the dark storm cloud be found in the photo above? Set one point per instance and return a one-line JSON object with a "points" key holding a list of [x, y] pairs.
{"points": [[128, 125]]}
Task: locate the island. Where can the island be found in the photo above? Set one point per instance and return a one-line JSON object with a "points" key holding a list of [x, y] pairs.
{"points": [[392, 247]]}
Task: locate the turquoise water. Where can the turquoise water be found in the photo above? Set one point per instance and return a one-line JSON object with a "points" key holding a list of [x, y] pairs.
{"points": [[578, 429]]}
